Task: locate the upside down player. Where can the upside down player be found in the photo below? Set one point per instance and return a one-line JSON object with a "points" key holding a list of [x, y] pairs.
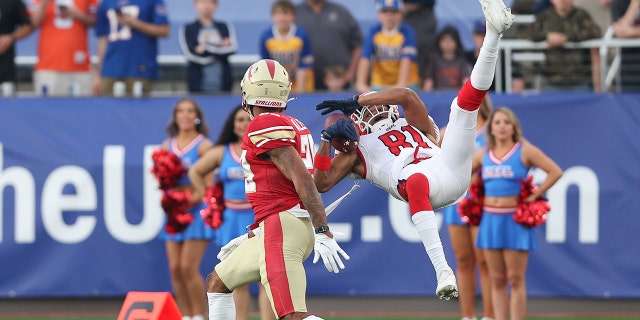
{"points": [[277, 160], [401, 156]]}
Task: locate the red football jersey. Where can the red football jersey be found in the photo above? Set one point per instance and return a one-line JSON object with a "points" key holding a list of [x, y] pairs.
{"points": [[267, 189]]}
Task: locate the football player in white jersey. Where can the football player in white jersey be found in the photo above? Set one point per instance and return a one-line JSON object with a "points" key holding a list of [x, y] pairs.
{"points": [[401, 155]]}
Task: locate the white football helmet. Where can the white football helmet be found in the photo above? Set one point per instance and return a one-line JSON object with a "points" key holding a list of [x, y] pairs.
{"points": [[265, 84], [375, 117]]}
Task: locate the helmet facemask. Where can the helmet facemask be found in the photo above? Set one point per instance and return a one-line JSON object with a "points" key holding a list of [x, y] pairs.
{"points": [[375, 117]]}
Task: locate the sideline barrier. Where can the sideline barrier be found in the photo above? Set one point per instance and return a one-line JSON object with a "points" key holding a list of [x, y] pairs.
{"points": [[78, 200], [149, 306]]}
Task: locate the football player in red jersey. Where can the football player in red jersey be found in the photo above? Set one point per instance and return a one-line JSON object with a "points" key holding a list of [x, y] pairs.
{"points": [[401, 155], [277, 160]]}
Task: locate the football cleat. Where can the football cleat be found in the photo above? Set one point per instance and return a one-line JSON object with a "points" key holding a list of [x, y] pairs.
{"points": [[447, 287], [498, 16]]}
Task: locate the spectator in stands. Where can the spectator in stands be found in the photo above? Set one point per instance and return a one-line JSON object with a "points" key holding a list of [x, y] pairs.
{"points": [[64, 61], [14, 25], [420, 16], [289, 44], [447, 68], [506, 244], [517, 80], [128, 44], [207, 45], [388, 56], [237, 215], [568, 69], [187, 131], [334, 79], [626, 24], [335, 37]]}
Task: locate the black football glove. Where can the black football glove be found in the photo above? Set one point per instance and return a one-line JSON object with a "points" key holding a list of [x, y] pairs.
{"points": [[341, 128], [347, 106]]}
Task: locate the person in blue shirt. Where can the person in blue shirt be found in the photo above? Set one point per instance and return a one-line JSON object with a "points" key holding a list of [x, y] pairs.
{"points": [[128, 32]]}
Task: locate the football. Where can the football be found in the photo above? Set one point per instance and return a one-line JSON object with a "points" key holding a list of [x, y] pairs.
{"points": [[341, 143]]}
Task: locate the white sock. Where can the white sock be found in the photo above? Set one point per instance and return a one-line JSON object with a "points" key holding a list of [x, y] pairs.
{"points": [[312, 317], [221, 306], [425, 222], [186, 318], [198, 317], [485, 67]]}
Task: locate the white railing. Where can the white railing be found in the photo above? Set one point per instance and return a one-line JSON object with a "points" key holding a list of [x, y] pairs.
{"points": [[608, 72]]}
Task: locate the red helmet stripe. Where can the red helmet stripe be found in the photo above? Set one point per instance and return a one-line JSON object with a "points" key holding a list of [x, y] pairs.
{"points": [[272, 67]]}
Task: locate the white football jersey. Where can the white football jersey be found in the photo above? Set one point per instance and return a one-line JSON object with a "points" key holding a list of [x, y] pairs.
{"points": [[383, 155]]}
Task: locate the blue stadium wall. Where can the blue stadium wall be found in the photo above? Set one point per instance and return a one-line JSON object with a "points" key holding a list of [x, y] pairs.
{"points": [[80, 214]]}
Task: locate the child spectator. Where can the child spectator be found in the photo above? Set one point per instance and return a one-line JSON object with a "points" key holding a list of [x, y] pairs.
{"points": [[207, 45], [334, 78], [289, 44], [447, 68], [64, 62], [389, 54]]}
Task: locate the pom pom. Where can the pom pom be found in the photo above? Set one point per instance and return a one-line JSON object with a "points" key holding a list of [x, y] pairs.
{"points": [[531, 214], [212, 214], [167, 168], [470, 208], [176, 205]]}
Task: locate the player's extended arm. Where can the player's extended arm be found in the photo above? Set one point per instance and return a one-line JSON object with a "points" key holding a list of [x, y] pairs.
{"points": [[291, 165], [412, 106], [341, 165]]}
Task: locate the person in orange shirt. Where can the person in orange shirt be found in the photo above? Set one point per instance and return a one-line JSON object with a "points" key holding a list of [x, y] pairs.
{"points": [[64, 62]]}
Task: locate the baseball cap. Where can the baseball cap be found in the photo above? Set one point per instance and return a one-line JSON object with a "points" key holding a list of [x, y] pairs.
{"points": [[391, 5], [480, 27]]}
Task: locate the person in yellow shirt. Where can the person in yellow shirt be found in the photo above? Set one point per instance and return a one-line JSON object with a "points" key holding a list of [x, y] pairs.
{"points": [[389, 54], [289, 44]]}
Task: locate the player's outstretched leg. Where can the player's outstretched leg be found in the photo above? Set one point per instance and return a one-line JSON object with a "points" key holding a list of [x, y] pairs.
{"points": [[424, 219], [499, 17]]}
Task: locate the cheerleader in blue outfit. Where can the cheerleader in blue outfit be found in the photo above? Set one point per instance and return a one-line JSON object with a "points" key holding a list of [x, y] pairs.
{"points": [[238, 214], [463, 237], [505, 161], [188, 140]]}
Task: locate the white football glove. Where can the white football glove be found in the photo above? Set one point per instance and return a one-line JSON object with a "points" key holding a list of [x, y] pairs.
{"points": [[330, 251], [226, 250]]}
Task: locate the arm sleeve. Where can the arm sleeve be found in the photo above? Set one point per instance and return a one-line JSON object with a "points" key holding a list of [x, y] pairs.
{"points": [[160, 13], [367, 47], [264, 52], [306, 55], [409, 47]]}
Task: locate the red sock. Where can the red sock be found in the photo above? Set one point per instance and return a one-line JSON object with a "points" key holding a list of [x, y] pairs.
{"points": [[470, 98], [418, 193]]}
